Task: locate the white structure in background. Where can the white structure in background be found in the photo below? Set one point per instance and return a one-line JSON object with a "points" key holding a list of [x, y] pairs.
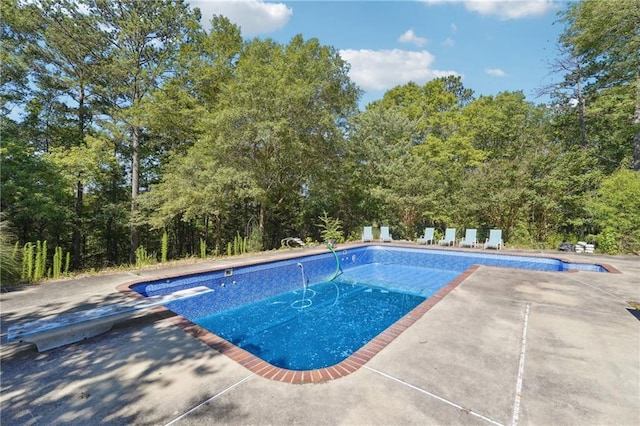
{"points": [[583, 247]]}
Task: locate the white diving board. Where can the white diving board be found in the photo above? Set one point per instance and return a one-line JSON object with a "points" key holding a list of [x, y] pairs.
{"points": [[63, 329]]}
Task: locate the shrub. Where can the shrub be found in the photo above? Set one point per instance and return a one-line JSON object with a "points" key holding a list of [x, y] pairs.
{"points": [[9, 261], [616, 210]]}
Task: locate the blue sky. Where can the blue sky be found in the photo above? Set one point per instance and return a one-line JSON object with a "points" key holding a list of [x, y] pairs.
{"points": [[494, 45]]}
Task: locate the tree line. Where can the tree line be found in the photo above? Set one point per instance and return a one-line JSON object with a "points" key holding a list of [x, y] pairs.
{"points": [[137, 125]]}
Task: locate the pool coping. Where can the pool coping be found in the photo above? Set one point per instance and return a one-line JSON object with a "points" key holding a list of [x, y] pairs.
{"points": [[349, 365]]}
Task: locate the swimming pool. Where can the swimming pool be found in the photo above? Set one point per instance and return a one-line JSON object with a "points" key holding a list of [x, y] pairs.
{"points": [[292, 315]]}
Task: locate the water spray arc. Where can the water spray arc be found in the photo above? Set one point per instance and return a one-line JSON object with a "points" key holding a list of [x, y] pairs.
{"points": [[305, 301]]}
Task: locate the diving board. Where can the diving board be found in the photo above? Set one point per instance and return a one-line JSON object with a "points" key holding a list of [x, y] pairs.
{"points": [[63, 329]]}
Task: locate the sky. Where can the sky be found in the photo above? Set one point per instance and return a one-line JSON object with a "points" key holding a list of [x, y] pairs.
{"points": [[493, 45]]}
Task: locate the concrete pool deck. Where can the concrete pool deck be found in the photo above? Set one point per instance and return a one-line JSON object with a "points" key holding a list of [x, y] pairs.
{"points": [[504, 347]]}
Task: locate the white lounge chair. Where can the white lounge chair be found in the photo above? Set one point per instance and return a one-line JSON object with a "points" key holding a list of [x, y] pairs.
{"points": [[494, 240], [385, 237], [427, 238], [470, 238], [449, 237], [367, 234]]}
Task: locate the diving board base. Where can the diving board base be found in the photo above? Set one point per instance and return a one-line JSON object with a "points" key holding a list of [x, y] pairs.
{"points": [[59, 330], [73, 333]]}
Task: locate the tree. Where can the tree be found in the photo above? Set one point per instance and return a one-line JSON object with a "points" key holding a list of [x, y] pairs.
{"points": [[34, 197], [144, 38], [282, 119], [380, 168], [434, 150], [607, 41], [616, 208], [67, 59], [18, 26], [568, 94]]}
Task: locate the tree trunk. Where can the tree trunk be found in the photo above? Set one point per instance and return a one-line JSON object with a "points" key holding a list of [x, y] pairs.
{"points": [[636, 124], [583, 127], [135, 172], [77, 221]]}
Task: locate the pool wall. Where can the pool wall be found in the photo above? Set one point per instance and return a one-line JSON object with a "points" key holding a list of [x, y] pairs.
{"points": [[234, 287], [461, 260], [237, 286]]}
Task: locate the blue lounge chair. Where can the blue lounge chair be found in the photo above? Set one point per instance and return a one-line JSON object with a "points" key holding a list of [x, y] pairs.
{"points": [[385, 237], [494, 240], [449, 237], [427, 238], [470, 238], [367, 234]]}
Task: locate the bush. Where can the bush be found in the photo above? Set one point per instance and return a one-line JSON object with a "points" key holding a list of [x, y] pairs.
{"points": [[9, 257], [330, 229], [616, 210]]}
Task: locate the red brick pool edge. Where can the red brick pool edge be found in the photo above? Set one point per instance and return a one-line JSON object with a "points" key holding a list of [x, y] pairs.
{"points": [[343, 368]]}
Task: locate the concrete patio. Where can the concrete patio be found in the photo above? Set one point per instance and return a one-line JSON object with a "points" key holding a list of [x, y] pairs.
{"points": [[505, 347]]}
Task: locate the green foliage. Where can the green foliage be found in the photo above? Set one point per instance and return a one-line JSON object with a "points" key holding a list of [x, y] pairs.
{"points": [[35, 260], [9, 262], [57, 263], [203, 248], [27, 262], [164, 246], [143, 258], [616, 210], [67, 262], [220, 132], [606, 41], [254, 242], [330, 228], [239, 244], [34, 195], [608, 241]]}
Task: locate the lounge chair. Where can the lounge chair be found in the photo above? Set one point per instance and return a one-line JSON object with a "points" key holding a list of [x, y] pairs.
{"points": [[470, 238], [449, 237], [367, 234], [385, 237], [427, 238], [494, 240]]}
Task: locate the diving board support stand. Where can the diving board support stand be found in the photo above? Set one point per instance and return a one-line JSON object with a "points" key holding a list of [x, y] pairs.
{"points": [[63, 329]]}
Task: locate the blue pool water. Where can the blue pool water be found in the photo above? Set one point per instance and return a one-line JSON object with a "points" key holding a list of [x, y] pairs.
{"points": [[313, 328], [269, 311]]}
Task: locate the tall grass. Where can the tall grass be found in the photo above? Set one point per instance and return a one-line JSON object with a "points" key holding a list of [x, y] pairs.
{"points": [[9, 262], [143, 258], [164, 247], [32, 261], [203, 248]]}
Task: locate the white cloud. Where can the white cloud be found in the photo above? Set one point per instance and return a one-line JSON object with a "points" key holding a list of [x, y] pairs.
{"points": [[495, 72], [504, 9], [513, 9], [410, 37], [384, 69], [449, 42], [252, 16]]}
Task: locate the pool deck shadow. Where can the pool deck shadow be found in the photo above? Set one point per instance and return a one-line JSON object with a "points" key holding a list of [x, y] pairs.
{"points": [[503, 347]]}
